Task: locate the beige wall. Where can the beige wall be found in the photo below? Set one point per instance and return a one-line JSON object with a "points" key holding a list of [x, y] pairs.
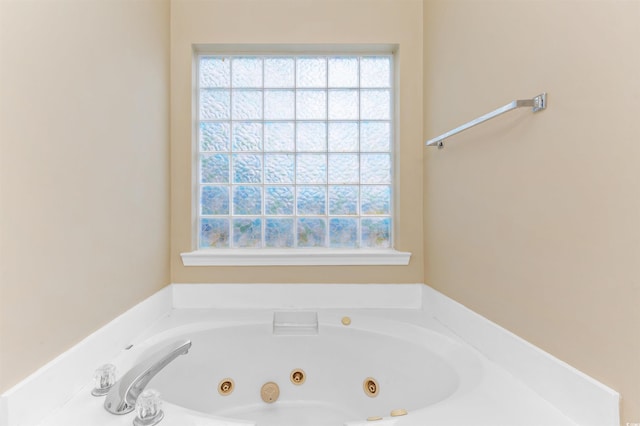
{"points": [[303, 22], [84, 179], [533, 220]]}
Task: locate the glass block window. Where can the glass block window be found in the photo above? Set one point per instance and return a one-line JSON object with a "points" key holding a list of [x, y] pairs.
{"points": [[294, 151]]}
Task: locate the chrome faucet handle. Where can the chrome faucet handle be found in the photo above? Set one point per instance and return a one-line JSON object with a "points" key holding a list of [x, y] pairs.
{"points": [[149, 409], [105, 378], [122, 397]]}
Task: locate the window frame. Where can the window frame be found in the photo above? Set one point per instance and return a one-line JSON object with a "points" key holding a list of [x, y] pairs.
{"points": [[294, 255]]}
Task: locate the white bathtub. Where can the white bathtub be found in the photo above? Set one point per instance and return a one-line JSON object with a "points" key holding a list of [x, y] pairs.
{"points": [[429, 355], [414, 368]]}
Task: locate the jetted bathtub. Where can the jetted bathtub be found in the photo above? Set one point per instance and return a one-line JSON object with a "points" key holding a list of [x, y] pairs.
{"points": [[338, 370], [338, 355]]}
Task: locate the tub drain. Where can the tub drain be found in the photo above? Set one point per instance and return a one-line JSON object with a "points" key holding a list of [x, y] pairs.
{"points": [[370, 386], [270, 392], [225, 387]]}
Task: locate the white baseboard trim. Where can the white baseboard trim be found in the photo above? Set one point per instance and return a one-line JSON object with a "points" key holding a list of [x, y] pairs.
{"points": [[51, 386], [578, 396]]}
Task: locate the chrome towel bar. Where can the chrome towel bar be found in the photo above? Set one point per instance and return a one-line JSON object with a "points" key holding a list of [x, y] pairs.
{"points": [[538, 103]]}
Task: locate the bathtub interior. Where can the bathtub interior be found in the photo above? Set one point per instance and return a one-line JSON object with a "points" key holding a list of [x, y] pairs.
{"points": [[500, 379], [411, 371]]}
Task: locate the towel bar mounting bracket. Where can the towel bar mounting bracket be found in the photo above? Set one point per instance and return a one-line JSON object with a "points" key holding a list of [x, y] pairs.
{"points": [[540, 102]]}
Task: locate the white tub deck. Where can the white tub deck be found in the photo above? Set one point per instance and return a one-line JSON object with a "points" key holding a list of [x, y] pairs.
{"points": [[498, 398], [520, 385]]}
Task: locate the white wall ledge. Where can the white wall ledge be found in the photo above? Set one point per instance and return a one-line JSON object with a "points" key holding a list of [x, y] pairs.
{"points": [[295, 257], [579, 397]]}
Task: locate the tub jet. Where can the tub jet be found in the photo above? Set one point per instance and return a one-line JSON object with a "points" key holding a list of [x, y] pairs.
{"points": [[371, 387]]}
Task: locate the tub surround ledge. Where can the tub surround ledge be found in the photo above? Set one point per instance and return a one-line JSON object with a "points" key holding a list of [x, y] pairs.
{"points": [[545, 384], [580, 397], [59, 380]]}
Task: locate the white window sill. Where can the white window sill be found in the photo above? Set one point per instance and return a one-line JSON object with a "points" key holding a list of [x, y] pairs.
{"points": [[294, 257]]}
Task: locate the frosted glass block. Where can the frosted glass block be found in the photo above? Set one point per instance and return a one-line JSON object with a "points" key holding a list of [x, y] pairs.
{"points": [[286, 136], [311, 105], [376, 232], [343, 137], [215, 72], [343, 104], [343, 168], [343, 233], [312, 200], [312, 232], [246, 105], [247, 233], [311, 168], [375, 72], [214, 200], [279, 168], [343, 200], [214, 168], [279, 233], [343, 72], [278, 200], [214, 233], [215, 104], [279, 104], [279, 136], [375, 104], [375, 200], [279, 72], [247, 200], [375, 136], [375, 168], [311, 72], [311, 137], [246, 72], [247, 136], [247, 168], [214, 136]]}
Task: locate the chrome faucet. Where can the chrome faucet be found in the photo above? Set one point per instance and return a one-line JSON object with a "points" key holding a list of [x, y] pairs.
{"points": [[122, 397]]}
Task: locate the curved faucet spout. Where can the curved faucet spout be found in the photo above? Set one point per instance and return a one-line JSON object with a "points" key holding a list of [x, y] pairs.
{"points": [[122, 397]]}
